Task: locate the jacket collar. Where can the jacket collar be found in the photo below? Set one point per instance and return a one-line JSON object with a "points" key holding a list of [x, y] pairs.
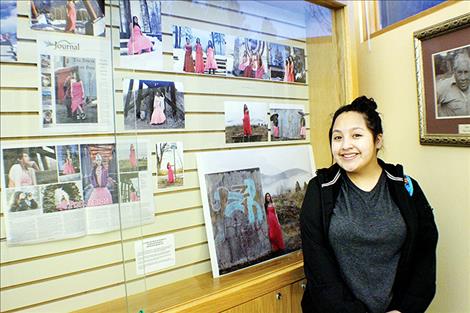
{"points": [[330, 176]]}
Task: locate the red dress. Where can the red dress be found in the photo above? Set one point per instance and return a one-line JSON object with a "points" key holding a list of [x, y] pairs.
{"points": [[275, 231], [199, 59], [138, 42], [171, 176], [188, 59], [132, 158], [71, 18], [247, 124]]}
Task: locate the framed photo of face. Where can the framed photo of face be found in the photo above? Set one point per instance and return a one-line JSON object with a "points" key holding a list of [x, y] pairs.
{"points": [[442, 56]]}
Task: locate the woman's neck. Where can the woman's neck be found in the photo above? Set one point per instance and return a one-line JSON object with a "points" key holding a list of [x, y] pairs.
{"points": [[367, 178]]}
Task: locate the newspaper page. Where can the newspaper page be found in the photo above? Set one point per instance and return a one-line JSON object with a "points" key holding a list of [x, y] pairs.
{"points": [[66, 190], [74, 84]]}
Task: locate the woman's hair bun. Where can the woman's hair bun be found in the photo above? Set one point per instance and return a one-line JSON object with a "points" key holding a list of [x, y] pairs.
{"points": [[364, 104]]}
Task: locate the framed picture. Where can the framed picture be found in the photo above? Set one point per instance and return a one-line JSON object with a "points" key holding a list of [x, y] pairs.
{"points": [[442, 55]]}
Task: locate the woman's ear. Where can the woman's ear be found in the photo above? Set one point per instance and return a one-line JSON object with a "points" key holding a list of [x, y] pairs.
{"points": [[379, 141]]}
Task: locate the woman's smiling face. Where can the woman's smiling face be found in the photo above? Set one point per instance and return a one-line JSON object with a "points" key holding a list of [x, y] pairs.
{"points": [[352, 144]]}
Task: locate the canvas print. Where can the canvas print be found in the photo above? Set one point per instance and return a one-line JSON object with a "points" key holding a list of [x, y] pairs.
{"points": [[141, 34], [153, 104], [246, 122], [132, 157], [61, 197], [253, 190], [287, 122], [30, 166], [99, 174], [238, 218], [451, 83], [76, 97], [68, 158], [23, 199], [170, 167], [198, 51], [8, 26], [247, 57], [85, 17]]}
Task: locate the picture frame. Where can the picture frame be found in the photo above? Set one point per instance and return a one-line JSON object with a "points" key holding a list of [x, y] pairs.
{"points": [[442, 58]]}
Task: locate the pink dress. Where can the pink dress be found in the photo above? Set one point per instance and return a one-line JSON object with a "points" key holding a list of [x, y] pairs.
{"points": [[77, 95], [158, 116], [211, 64], [63, 205], [303, 132], [199, 59], [68, 167], [134, 197], [100, 194], [132, 158], [138, 42], [247, 131], [276, 131], [71, 19], [188, 59], [171, 175], [275, 231], [259, 72]]}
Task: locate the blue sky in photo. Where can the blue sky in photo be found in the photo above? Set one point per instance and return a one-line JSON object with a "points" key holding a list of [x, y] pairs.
{"points": [[8, 16]]}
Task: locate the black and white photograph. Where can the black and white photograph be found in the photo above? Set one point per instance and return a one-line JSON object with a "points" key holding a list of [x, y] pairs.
{"points": [[153, 104], [452, 81], [84, 17]]}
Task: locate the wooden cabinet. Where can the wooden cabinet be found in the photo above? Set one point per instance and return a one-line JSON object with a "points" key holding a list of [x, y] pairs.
{"points": [[276, 301], [297, 291]]}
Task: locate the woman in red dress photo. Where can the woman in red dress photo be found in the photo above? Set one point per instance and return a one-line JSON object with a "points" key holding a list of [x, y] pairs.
{"points": [[171, 175], [132, 157], [275, 231], [188, 57], [247, 131], [138, 42], [199, 57], [71, 19]]}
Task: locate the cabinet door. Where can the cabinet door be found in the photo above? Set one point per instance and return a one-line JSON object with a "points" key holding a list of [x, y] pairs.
{"points": [[278, 301], [297, 291]]}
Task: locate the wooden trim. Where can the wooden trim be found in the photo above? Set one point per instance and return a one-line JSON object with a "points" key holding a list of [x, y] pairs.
{"points": [[331, 4], [415, 17], [203, 293]]}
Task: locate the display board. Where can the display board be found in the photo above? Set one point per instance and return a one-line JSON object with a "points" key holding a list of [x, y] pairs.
{"points": [[69, 274]]}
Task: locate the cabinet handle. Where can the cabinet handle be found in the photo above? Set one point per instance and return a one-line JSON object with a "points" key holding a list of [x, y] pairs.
{"points": [[303, 286], [278, 296]]}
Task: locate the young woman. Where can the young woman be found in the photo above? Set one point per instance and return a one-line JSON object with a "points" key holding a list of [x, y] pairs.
{"points": [[211, 64], [247, 131], [199, 57], [303, 130], [18, 203], [71, 19], [138, 42], [132, 157], [275, 231], [158, 115], [133, 197], [291, 76], [368, 232], [68, 165], [259, 69], [99, 181], [22, 173], [171, 174], [78, 97], [188, 57]]}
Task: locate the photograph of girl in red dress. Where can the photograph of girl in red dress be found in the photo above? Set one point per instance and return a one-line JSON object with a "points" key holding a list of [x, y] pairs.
{"points": [[247, 57], [246, 122], [141, 34], [198, 51], [69, 163], [170, 165]]}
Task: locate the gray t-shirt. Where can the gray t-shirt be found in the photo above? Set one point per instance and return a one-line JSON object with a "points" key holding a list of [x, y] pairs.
{"points": [[367, 232]]}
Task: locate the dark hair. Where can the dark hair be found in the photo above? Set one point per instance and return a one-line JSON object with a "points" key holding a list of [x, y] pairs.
{"points": [[266, 203], [367, 107]]}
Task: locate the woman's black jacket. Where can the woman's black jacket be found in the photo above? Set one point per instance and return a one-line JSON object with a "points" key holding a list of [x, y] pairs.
{"points": [[415, 282]]}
